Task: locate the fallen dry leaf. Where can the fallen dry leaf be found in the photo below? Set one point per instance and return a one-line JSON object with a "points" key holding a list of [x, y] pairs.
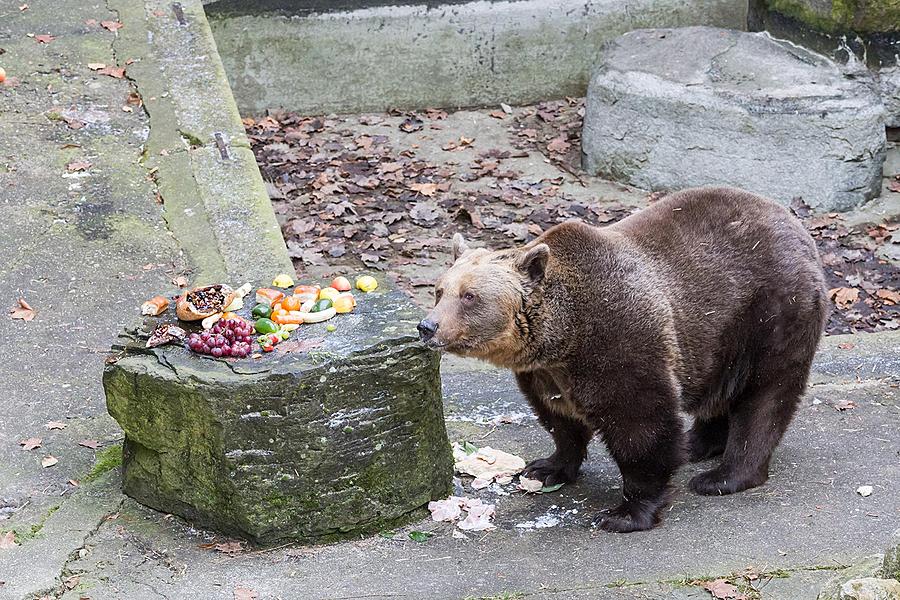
{"points": [[55, 425], [92, 444], [558, 145], [845, 405], [244, 593], [117, 72], [229, 548], [30, 443], [71, 582], [78, 165], [889, 296], [96, 66], [112, 25], [49, 461], [7, 540], [181, 281], [723, 590], [44, 39], [894, 185], [23, 311], [426, 189], [844, 297]]}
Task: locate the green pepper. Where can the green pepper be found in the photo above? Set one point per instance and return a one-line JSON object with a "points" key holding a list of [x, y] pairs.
{"points": [[261, 311], [323, 304], [266, 326]]}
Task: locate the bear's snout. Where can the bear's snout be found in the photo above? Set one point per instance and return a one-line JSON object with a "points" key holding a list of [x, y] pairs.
{"points": [[427, 328]]}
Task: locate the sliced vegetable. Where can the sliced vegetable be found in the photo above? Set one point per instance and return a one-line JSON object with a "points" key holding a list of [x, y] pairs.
{"points": [[283, 281], [236, 304], [261, 311], [266, 326], [318, 317], [341, 284], [268, 296], [323, 304], [291, 303], [155, 306], [329, 293], [344, 303], [366, 283]]}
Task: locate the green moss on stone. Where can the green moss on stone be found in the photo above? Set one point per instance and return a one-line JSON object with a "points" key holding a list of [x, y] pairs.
{"points": [[105, 460], [869, 16]]}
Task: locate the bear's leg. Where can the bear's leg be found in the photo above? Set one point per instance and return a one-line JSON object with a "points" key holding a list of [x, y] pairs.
{"points": [[707, 438], [644, 434], [757, 420], [570, 435]]}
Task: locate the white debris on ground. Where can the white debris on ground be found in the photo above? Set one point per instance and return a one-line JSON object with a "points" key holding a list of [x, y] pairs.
{"points": [[553, 517], [530, 485], [478, 514], [865, 490], [494, 414], [486, 465]]}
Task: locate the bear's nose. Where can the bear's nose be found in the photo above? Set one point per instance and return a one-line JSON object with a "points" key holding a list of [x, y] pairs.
{"points": [[427, 329]]}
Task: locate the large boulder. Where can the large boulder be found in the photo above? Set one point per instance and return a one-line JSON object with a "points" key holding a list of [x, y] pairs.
{"points": [[317, 441], [860, 33], [870, 588], [673, 108]]}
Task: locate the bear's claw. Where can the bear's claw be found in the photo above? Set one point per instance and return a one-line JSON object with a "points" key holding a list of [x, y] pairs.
{"points": [[551, 471]]}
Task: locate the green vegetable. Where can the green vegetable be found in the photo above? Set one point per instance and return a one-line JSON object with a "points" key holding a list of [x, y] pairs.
{"points": [[284, 334], [420, 536], [261, 311], [330, 327], [323, 304], [266, 326]]}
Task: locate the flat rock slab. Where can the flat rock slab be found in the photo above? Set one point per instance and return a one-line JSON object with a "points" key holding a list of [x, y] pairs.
{"points": [[329, 436], [674, 108]]}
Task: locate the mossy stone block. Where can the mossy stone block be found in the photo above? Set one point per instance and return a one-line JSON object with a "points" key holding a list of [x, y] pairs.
{"points": [[343, 439]]}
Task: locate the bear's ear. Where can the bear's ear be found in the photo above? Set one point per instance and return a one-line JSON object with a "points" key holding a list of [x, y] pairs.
{"points": [[534, 261], [460, 246]]}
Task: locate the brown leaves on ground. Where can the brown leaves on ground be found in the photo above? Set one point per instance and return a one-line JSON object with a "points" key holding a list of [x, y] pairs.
{"points": [[231, 548], [49, 461], [30, 443], [723, 590], [23, 311], [8, 540], [44, 39], [78, 165], [117, 72], [844, 297], [112, 25], [55, 425], [92, 444]]}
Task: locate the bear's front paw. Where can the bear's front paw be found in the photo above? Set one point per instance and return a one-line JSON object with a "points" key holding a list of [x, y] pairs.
{"points": [[721, 481], [627, 517], [551, 471]]}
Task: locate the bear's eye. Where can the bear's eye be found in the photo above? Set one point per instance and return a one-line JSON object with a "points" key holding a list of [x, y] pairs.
{"points": [[468, 297]]}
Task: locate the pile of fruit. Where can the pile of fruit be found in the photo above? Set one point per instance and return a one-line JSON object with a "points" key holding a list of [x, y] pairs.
{"points": [[276, 314]]}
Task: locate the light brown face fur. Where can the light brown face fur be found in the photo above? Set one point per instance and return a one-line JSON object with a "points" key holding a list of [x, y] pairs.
{"points": [[476, 302]]}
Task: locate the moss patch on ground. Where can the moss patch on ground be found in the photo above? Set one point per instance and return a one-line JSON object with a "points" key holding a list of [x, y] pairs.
{"points": [[106, 460]]}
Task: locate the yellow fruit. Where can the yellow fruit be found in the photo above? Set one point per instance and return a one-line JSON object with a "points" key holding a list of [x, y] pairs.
{"points": [[283, 281], [344, 303], [366, 283], [329, 293]]}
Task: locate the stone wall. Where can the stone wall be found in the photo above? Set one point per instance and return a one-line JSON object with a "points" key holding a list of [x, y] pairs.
{"points": [[383, 55]]}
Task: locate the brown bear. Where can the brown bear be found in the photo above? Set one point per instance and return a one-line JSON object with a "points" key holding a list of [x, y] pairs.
{"points": [[710, 301]]}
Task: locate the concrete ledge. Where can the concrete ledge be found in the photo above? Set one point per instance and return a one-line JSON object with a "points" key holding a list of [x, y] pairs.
{"points": [[214, 196], [434, 54]]}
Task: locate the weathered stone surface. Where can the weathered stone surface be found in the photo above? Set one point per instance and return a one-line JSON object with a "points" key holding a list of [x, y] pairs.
{"points": [[348, 437], [870, 588], [847, 31], [890, 567], [672, 108]]}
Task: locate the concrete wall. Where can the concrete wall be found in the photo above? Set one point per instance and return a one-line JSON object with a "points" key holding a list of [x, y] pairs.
{"points": [[429, 55]]}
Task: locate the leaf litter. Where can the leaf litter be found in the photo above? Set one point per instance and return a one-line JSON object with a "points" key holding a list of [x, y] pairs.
{"points": [[348, 196]]}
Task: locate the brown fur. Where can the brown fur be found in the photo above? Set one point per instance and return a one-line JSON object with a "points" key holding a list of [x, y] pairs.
{"points": [[710, 301]]}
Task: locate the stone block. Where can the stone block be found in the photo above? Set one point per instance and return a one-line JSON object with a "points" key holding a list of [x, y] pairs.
{"points": [[344, 438], [674, 108]]}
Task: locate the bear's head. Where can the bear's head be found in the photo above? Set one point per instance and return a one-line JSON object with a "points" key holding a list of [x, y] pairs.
{"points": [[480, 299]]}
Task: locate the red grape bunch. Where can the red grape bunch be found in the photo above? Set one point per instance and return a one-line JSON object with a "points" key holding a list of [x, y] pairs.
{"points": [[228, 337]]}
